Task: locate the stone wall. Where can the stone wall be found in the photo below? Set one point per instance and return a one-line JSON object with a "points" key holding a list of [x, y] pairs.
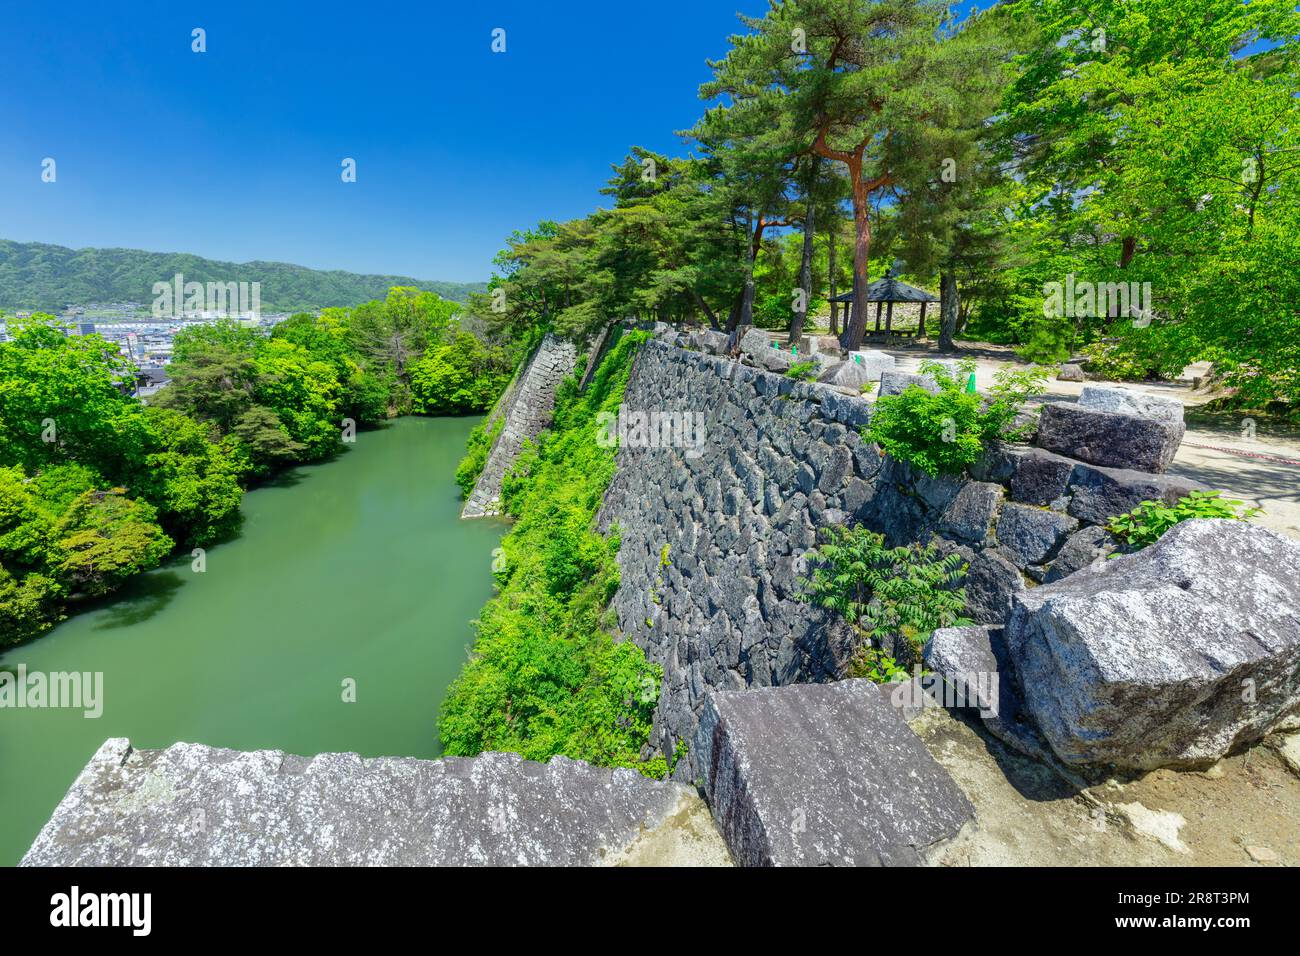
{"points": [[713, 537], [526, 406]]}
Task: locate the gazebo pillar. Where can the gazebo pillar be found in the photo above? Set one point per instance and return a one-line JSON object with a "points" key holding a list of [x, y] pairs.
{"points": [[889, 316], [920, 329], [879, 306]]}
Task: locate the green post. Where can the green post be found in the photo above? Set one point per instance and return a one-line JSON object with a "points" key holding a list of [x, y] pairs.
{"points": [[970, 383]]}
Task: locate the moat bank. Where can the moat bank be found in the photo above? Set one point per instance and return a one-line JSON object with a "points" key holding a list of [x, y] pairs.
{"points": [[358, 569]]}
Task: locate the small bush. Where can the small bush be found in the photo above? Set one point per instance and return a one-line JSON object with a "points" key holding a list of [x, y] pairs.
{"points": [[1146, 523], [945, 432], [477, 449], [803, 371]]}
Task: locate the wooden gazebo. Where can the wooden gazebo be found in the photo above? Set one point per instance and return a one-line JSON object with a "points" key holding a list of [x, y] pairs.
{"points": [[885, 292]]}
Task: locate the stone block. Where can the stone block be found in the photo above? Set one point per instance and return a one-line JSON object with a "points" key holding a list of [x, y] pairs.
{"points": [[823, 774], [1110, 439]]}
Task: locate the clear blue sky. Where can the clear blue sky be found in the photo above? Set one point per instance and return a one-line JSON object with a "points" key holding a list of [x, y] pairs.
{"points": [[235, 153]]}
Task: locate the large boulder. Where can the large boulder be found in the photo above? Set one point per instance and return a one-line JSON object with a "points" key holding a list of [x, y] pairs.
{"points": [[1172, 656], [893, 381], [846, 374], [1109, 438], [1098, 494], [191, 805], [709, 340], [1125, 401], [874, 362], [823, 774], [756, 342]]}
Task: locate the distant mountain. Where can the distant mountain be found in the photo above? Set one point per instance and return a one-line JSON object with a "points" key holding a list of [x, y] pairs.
{"points": [[34, 275]]}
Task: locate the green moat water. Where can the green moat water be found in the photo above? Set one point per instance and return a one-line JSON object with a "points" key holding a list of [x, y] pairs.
{"points": [[359, 568]]}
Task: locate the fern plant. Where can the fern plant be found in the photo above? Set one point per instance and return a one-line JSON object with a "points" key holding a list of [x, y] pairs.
{"points": [[1148, 521], [881, 592]]}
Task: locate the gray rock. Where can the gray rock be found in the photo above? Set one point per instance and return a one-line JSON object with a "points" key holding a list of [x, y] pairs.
{"points": [[1081, 549], [755, 342], [998, 462], [1125, 401], [709, 340], [846, 374], [970, 515], [1098, 494], [977, 675], [992, 582], [853, 411], [774, 360], [1071, 373], [1108, 438], [891, 383], [823, 774], [1031, 535], [874, 362], [191, 805], [1040, 477], [1173, 656]]}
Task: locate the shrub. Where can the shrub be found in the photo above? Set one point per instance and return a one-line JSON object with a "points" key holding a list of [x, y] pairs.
{"points": [[1146, 523], [477, 449], [803, 371], [884, 592], [945, 432]]}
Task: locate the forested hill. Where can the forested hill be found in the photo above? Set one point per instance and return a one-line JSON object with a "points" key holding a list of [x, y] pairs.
{"points": [[34, 275]]}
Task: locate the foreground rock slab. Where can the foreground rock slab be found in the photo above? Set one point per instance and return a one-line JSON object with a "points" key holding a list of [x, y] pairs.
{"points": [[192, 805], [1173, 656], [823, 774]]}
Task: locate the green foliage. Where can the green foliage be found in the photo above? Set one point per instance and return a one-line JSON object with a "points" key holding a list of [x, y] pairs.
{"points": [[876, 666], [461, 376], [64, 535], [34, 275], [945, 432], [1145, 524], [478, 447], [546, 677], [98, 486], [803, 371], [885, 592]]}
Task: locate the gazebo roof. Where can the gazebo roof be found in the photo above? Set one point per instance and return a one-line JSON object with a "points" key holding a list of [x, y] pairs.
{"points": [[890, 289]]}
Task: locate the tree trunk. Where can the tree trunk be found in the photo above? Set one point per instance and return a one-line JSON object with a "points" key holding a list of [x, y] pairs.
{"points": [[861, 255], [733, 319], [830, 255], [805, 264], [713, 319], [1127, 249], [949, 305]]}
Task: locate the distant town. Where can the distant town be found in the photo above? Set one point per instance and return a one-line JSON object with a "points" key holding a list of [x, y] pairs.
{"points": [[145, 341]]}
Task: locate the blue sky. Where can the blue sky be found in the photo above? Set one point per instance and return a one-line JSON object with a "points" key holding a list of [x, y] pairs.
{"points": [[235, 153]]}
